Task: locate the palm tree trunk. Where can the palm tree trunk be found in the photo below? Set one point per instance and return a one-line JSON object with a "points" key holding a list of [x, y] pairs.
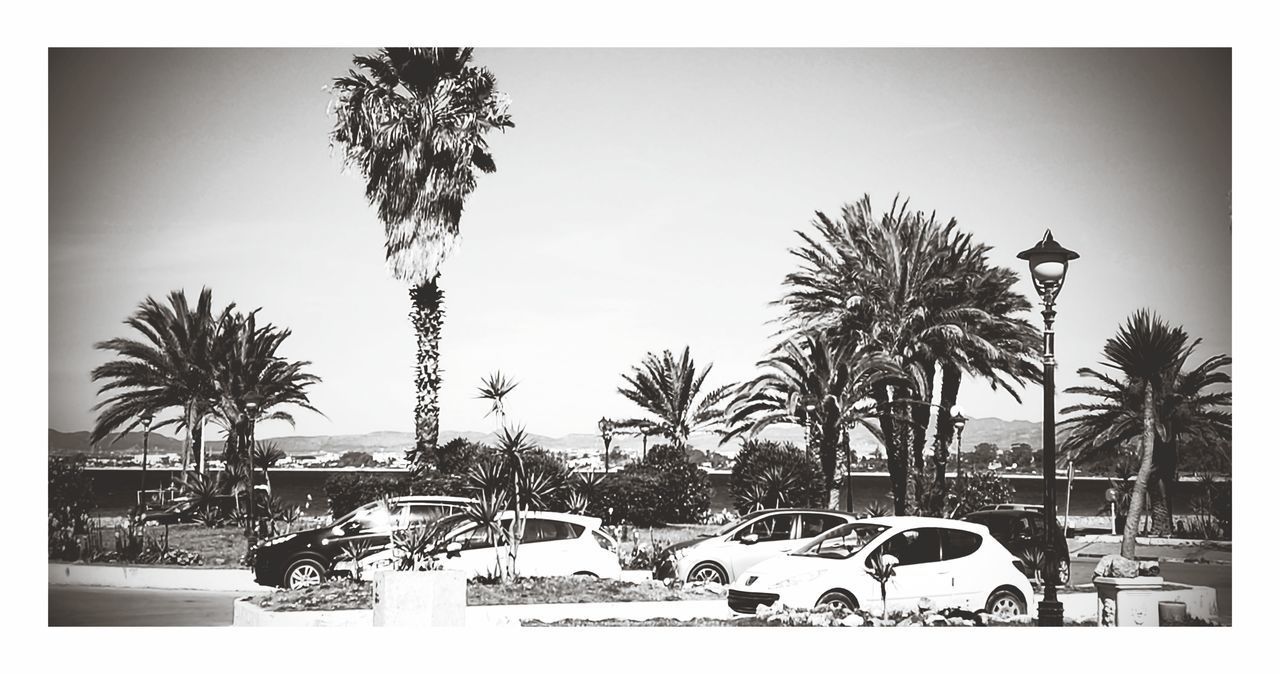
{"points": [[427, 316], [943, 432], [827, 454], [1129, 544], [1165, 470], [920, 420], [906, 467], [189, 412], [888, 429]]}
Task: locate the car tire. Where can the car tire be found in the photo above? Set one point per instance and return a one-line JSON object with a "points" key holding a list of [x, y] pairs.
{"points": [[303, 573], [1006, 603], [708, 573], [835, 598]]}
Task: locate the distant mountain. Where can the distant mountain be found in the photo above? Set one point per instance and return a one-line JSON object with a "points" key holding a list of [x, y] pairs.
{"points": [[996, 431], [131, 443]]}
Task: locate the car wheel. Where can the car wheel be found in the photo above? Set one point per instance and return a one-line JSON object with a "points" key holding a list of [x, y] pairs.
{"points": [[707, 573], [1005, 604], [303, 573], [837, 599]]}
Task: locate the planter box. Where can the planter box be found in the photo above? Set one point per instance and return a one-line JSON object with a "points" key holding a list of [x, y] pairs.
{"points": [[420, 599], [1136, 601]]}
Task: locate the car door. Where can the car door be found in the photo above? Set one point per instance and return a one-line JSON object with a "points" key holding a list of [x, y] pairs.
{"points": [[766, 537], [968, 571], [919, 573], [477, 556]]}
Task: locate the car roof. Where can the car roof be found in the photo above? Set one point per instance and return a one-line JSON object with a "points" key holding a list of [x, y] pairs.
{"points": [[581, 520], [913, 521], [1004, 512], [812, 511]]}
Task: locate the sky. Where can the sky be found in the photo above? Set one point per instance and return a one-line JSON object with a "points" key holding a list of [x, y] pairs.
{"points": [[645, 200]]}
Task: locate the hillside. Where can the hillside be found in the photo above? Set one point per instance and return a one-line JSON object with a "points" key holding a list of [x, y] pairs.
{"points": [[996, 431]]}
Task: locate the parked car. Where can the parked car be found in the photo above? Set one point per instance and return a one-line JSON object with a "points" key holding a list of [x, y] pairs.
{"points": [[552, 544], [1022, 532], [186, 510], [951, 562], [1018, 506], [724, 554], [307, 557]]}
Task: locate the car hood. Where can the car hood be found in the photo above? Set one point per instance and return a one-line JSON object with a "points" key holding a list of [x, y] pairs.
{"points": [[689, 543], [763, 576]]}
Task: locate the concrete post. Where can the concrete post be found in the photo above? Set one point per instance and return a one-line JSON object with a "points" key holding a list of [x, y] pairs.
{"points": [[1124, 602], [420, 599]]}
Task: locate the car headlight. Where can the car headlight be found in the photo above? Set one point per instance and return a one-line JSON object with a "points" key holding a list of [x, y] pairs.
{"points": [[794, 580], [277, 540]]}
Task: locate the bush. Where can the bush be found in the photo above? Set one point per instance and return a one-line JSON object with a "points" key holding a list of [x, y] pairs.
{"points": [[348, 492], [661, 489], [976, 491], [70, 505], [458, 455], [777, 474]]}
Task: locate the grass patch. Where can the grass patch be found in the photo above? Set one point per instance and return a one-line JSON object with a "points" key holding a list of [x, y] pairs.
{"points": [[219, 547], [342, 594]]}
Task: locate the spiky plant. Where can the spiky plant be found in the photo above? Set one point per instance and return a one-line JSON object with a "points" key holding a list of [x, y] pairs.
{"points": [[495, 388], [670, 389]]}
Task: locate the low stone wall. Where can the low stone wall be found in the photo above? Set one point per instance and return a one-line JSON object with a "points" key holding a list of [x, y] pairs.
{"points": [[154, 577], [245, 614]]}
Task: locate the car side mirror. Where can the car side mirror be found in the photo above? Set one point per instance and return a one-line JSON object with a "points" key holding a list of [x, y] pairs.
{"points": [[453, 549], [750, 539]]}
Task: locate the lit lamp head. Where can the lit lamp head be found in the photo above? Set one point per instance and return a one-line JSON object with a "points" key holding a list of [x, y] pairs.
{"points": [[1048, 262], [146, 420], [606, 428], [958, 419]]}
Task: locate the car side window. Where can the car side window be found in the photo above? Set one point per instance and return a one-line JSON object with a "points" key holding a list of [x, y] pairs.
{"points": [[538, 531], [957, 544], [771, 528], [420, 514], [479, 537], [812, 524], [915, 546]]}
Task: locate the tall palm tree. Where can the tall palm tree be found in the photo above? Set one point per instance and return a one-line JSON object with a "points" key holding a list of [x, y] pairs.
{"points": [[919, 292], [668, 388], [1187, 411], [250, 365], [807, 383], [414, 123], [172, 366], [1143, 351]]}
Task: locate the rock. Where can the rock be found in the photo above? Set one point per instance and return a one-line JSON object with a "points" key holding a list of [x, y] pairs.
{"points": [[925, 605], [820, 619], [853, 620], [1148, 568], [1115, 566]]}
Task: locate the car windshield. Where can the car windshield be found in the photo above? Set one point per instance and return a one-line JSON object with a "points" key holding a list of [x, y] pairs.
{"points": [[368, 513], [842, 542], [730, 526]]}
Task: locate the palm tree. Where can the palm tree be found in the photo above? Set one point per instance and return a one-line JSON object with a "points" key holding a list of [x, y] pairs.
{"points": [[265, 456], [250, 365], [807, 383], [1143, 351], [1186, 411], [668, 388], [414, 123], [920, 293], [172, 366]]}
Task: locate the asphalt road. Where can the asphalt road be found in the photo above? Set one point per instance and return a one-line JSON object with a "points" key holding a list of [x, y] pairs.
{"points": [[114, 607], [138, 608]]}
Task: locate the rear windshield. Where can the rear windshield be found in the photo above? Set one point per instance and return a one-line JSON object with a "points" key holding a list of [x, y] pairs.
{"points": [[842, 542]]}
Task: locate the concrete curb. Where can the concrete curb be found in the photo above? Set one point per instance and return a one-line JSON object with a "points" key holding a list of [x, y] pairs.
{"points": [[1144, 540], [1162, 560], [154, 577], [245, 614]]}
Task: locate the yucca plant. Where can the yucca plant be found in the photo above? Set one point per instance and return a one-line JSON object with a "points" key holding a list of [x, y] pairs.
{"points": [[486, 513], [883, 568], [577, 503], [354, 551], [495, 389], [875, 509], [414, 547]]}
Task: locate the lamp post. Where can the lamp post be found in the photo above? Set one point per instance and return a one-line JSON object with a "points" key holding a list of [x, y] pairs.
{"points": [[606, 434], [958, 420], [146, 438], [1048, 263], [252, 406]]}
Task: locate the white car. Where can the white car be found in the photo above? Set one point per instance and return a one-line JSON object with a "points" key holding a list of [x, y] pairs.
{"points": [[553, 544], [721, 556], [951, 562]]}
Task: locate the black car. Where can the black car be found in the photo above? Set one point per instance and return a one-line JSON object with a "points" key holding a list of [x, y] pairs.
{"points": [[1022, 532], [305, 558]]}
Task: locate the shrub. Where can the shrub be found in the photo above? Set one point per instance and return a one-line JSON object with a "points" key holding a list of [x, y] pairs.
{"points": [[772, 474], [70, 504], [456, 456], [348, 492], [976, 491], [661, 489]]}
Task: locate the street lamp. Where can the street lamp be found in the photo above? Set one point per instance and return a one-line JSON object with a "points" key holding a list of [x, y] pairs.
{"points": [[1048, 262], [146, 419], [958, 421], [252, 406], [606, 433]]}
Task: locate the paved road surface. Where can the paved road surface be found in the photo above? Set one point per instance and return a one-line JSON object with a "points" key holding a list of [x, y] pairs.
{"points": [[103, 606], [136, 608]]}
